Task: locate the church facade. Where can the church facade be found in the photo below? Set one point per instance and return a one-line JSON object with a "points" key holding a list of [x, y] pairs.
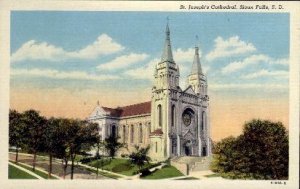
{"points": [[174, 123]]}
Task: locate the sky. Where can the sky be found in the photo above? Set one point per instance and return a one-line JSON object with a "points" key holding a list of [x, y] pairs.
{"points": [[62, 63]]}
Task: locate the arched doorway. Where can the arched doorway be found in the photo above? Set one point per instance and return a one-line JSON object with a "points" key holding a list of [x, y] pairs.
{"points": [[188, 148]]}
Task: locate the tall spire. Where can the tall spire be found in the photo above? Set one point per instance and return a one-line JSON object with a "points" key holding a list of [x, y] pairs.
{"points": [[196, 67], [167, 51]]}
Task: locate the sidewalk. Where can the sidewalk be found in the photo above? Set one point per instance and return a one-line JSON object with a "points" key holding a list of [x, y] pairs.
{"points": [[43, 163], [202, 175]]}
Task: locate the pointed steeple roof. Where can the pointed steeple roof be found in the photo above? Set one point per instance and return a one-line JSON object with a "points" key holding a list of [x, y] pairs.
{"points": [[167, 51], [196, 67]]}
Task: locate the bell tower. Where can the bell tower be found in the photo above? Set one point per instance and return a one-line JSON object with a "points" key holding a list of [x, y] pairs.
{"points": [[196, 79], [164, 92]]}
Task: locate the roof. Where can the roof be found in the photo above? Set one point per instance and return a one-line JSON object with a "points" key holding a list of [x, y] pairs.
{"points": [[130, 110], [167, 51], [196, 67]]}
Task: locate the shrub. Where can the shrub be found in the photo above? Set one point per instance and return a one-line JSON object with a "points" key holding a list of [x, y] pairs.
{"points": [[87, 160]]}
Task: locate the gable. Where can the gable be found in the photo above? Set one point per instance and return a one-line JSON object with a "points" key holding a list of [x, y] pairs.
{"points": [[98, 111], [189, 90]]}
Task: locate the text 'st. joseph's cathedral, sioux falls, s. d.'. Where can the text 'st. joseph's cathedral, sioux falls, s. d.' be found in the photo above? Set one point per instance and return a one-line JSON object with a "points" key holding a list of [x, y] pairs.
{"points": [[174, 123]]}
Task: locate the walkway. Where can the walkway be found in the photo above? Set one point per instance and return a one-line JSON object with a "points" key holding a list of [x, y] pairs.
{"points": [[43, 162]]}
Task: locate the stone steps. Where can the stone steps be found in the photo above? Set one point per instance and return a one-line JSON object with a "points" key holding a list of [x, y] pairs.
{"points": [[193, 163]]}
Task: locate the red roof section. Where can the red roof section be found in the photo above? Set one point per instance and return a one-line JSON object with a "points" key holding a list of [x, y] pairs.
{"points": [[131, 110]]}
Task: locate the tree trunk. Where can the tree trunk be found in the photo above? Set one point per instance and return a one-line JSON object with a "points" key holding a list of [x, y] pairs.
{"points": [[65, 165], [34, 160], [50, 166], [17, 154], [97, 167], [72, 166]]}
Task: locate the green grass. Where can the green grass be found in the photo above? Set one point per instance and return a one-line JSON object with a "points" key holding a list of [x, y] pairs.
{"points": [[188, 178], [117, 165], [15, 173], [40, 173], [166, 172], [103, 173]]}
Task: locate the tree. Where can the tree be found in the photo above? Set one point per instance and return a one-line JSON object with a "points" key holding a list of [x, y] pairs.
{"points": [[112, 145], [140, 157], [36, 125], [17, 131], [81, 136], [261, 152], [54, 141], [99, 145]]}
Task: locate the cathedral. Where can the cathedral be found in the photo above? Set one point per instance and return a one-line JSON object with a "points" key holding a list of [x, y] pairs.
{"points": [[174, 123]]}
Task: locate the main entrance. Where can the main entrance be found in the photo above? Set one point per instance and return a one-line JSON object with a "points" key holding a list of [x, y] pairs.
{"points": [[188, 148]]}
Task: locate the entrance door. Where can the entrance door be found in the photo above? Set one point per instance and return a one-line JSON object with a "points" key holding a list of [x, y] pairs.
{"points": [[187, 150], [204, 151]]}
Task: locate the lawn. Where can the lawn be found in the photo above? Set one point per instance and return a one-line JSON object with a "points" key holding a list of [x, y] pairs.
{"points": [[15, 173], [166, 172], [117, 165], [40, 173], [102, 173]]}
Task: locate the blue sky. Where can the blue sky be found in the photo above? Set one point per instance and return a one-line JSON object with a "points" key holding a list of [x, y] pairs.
{"points": [[241, 53]]}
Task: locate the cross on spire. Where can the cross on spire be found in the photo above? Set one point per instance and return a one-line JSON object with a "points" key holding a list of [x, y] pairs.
{"points": [[197, 41]]}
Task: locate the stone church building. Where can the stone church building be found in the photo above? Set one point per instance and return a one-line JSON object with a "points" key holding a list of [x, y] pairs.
{"points": [[174, 123]]}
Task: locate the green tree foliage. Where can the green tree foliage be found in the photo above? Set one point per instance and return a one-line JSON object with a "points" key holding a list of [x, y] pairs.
{"points": [[81, 136], [261, 152], [36, 125], [112, 145], [54, 140], [140, 156], [17, 131]]}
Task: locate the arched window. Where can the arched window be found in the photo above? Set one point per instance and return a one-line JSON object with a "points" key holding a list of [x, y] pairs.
{"points": [[114, 131], [140, 133], [124, 134], [131, 133], [159, 115], [149, 128], [173, 115], [203, 120]]}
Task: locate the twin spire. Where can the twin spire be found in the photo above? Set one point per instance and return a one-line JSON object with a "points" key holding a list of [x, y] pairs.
{"points": [[167, 55]]}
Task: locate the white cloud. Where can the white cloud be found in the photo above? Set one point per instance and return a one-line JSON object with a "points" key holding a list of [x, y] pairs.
{"points": [[266, 73], [247, 86], [33, 50], [123, 61], [252, 60], [56, 74], [283, 61], [185, 55], [102, 46], [183, 58], [144, 72], [230, 47], [237, 65]]}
